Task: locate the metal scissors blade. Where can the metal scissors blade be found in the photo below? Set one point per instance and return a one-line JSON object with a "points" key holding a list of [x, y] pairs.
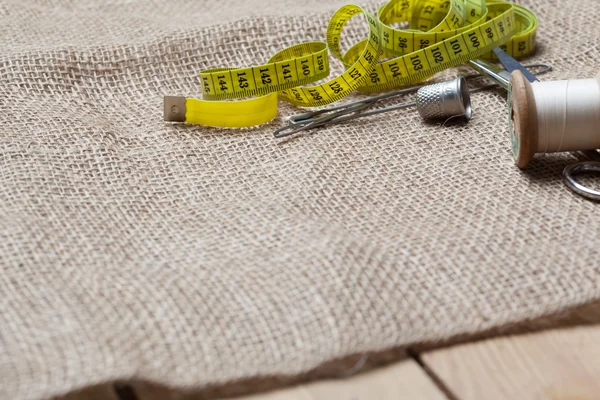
{"points": [[512, 65]]}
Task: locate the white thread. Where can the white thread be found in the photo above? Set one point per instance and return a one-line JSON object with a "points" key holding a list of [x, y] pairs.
{"points": [[568, 114]]}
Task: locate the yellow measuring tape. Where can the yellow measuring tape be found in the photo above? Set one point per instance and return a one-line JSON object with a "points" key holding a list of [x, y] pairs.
{"points": [[442, 34]]}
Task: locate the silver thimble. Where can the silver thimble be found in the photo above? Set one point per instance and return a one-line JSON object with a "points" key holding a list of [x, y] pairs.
{"points": [[445, 100]]}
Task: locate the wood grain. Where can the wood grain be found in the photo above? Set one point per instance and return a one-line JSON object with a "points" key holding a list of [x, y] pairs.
{"points": [[559, 364], [100, 392], [403, 380]]}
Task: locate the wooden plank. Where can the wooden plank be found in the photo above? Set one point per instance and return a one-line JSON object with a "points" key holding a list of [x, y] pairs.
{"points": [[100, 392], [556, 364], [402, 380]]}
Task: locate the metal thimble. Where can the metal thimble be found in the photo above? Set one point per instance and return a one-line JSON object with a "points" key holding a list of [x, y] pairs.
{"points": [[445, 100]]}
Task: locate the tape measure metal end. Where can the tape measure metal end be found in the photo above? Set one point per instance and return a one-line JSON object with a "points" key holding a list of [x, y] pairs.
{"points": [[174, 108]]}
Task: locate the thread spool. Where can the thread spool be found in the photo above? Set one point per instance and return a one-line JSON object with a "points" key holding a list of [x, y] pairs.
{"points": [[554, 116]]}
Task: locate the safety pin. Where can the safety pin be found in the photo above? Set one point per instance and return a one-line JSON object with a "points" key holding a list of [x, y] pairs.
{"points": [[340, 114]]}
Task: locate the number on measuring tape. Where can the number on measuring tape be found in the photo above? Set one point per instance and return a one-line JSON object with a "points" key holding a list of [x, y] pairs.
{"points": [[297, 94], [287, 72], [438, 56], [402, 43], [265, 76], [355, 74], [453, 31], [395, 69], [304, 66], [315, 94], [320, 63], [456, 47], [455, 21], [336, 87], [501, 27], [416, 62], [224, 82], [374, 77], [242, 80], [474, 39], [207, 85]]}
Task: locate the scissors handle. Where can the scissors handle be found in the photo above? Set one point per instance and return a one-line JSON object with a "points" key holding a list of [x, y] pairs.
{"points": [[576, 168]]}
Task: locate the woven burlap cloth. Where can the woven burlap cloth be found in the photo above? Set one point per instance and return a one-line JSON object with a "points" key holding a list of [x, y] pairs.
{"points": [[134, 249]]}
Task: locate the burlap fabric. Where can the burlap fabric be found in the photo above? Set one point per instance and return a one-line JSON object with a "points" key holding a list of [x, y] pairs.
{"points": [[188, 256]]}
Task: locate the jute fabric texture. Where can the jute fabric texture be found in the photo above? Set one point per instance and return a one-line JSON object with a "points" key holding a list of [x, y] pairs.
{"points": [[189, 256]]}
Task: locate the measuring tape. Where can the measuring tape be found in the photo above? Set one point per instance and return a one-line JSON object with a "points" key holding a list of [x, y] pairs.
{"points": [[442, 34]]}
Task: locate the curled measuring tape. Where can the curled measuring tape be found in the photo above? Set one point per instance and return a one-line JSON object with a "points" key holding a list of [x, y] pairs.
{"points": [[281, 76], [442, 34]]}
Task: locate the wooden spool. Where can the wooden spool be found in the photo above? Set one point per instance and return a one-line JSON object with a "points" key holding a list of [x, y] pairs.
{"points": [[522, 119]]}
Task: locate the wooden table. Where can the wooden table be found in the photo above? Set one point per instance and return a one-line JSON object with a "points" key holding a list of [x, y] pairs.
{"points": [[557, 364]]}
